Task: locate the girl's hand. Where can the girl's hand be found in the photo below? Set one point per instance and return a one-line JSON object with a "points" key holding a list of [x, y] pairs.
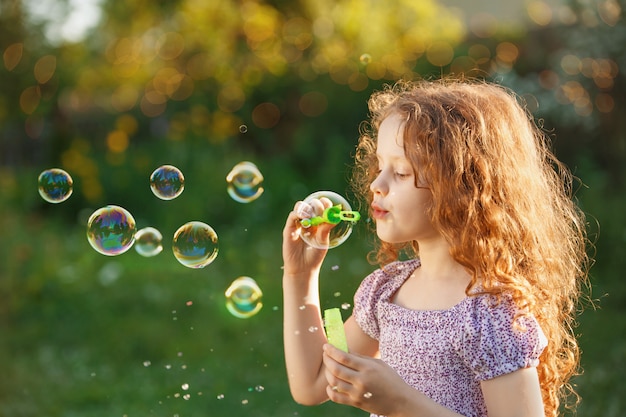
{"points": [[364, 382], [298, 256]]}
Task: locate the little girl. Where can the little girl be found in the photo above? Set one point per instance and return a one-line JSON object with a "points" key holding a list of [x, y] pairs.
{"points": [[482, 254]]}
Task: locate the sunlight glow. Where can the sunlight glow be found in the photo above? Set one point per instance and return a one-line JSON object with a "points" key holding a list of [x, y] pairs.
{"points": [[65, 22]]}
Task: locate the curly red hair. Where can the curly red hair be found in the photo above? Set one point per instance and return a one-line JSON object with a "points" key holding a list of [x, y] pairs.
{"points": [[501, 199]]}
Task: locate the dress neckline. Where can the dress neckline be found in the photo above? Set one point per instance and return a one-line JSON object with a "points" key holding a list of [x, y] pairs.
{"points": [[402, 277]]}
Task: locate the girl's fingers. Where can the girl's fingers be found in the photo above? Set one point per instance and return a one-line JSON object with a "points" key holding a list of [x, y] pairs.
{"points": [[312, 208], [303, 210], [326, 202], [349, 360]]}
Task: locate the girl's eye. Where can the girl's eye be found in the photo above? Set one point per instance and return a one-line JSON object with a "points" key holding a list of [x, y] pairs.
{"points": [[401, 175]]}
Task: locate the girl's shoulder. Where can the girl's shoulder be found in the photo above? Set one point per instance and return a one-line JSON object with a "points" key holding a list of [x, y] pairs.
{"points": [[498, 337], [393, 273], [376, 290], [386, 280]]}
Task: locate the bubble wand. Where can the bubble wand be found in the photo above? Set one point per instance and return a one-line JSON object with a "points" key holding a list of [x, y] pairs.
{"points": [[332, 215]]}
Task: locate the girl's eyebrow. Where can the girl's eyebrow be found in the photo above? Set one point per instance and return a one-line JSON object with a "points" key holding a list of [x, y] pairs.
{"points": [[393, 158]]}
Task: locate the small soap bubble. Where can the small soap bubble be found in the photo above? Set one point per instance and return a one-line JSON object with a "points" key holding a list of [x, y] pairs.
{"points": [[185, 386], [367, 395], [220, 396], [186, 396], [335, 267], [243, 129], [55, 185], [340, 231], [195, 244], [167, 182], [111, 230], [148, 242], [259, 388], [244, 298], [146, 363], [313, 329], [345, 306], [365, 59], [244, 182]]}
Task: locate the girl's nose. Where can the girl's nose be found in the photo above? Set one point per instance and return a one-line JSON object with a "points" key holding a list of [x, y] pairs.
{"points": [[378, 186]]}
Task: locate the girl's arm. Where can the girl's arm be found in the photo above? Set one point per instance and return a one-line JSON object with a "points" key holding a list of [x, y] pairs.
{"points": [[303, 327], [304, 334], [516, 394]]}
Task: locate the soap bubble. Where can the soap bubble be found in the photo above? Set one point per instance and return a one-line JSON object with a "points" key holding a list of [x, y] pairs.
{"points": [[243, 128], [111, 230], [244, 182], [243, 298], [148, 242], [167, 182], [55, 185], [365, 59], [338, 234], [195, 244]]}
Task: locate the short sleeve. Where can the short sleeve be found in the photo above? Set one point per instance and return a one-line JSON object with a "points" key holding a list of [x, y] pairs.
{"points": [[365, 302], [493, 344]]}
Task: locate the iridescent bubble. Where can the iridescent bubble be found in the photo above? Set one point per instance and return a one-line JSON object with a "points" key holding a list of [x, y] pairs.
{"points": [[195, 244], [167, 182], [314, 235], [148, 242], [243, 129], [111, 230], [365, 59], [244, 182], [244, 298], [55, 185]]}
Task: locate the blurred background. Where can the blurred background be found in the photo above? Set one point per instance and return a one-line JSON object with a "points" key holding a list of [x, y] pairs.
{"points": [[111, 90]]}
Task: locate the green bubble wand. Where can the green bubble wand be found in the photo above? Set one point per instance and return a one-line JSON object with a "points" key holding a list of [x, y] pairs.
{"points": [[332, 215]]}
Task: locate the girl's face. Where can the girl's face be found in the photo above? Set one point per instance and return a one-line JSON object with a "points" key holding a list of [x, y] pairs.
{"points": [[398, 206]]}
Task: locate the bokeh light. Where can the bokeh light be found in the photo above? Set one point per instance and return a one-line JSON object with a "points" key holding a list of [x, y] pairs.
{"points": [[195, 244], [111, 230], [55, 185], [244, 298]]}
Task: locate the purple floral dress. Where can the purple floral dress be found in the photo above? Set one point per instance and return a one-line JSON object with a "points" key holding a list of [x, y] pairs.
{"points": [[446, 353]]}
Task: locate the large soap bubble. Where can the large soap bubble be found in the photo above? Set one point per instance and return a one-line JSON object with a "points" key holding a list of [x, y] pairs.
{"points": [[55, 185], [244, 298], [244, 182], [195, 244], [111, 230], [340, 215], [167, 182]]}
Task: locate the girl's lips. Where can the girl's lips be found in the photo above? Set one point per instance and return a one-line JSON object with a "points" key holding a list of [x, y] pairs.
{"points": [[377, 212]]}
